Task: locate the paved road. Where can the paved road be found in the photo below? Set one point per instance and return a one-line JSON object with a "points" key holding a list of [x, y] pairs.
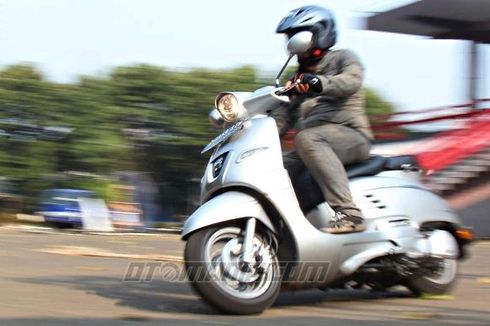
{"points": [[76, 279]]}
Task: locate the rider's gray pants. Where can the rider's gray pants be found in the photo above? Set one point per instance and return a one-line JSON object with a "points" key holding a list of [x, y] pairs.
{"points": [[325, 150]]}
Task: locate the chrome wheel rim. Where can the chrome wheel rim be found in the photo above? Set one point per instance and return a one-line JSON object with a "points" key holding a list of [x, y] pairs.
{"points": [[222, 259], [446, 273]]}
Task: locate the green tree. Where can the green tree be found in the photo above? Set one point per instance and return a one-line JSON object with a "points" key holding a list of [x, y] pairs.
{"points": [[376, 105], [138, 118]]}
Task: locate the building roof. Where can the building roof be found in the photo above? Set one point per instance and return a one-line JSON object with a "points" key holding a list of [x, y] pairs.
{"points": [[441, 19]]}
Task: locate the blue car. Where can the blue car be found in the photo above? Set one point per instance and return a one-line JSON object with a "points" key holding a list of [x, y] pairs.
{"points": [[61, 206]]}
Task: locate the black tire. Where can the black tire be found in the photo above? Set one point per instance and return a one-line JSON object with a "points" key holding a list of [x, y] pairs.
{"points": [[198, 272], [62, 225], [426, 284]]}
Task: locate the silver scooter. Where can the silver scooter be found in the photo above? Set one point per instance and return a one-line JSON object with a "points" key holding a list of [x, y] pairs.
{"points": [[257, 231]]}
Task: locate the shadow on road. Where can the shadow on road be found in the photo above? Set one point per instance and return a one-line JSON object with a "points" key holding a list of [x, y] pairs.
{"points": [[314, 296], [178, 297], [339, 307], [281, 321], [157, 296]]}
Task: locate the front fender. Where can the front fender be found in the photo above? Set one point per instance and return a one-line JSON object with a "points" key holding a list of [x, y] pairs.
{"points": [[227, 206]]}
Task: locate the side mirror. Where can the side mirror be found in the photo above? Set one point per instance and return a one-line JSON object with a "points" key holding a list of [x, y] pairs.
{"points": [[300, 42], [216, 119]]}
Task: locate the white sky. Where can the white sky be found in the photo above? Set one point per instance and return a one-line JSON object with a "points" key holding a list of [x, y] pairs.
{"points": [[67, 38]]}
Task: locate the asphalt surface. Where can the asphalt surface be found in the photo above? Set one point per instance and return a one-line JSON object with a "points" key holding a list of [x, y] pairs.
{"points": [[53, 278]]}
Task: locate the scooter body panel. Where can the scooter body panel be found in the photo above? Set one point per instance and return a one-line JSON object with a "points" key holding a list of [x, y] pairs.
{"points": [[394, 205]]}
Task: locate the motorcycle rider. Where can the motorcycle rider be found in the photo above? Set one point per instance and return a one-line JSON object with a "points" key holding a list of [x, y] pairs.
{"points": [[328, 105]]}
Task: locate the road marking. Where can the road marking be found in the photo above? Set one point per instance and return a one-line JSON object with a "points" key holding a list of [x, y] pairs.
{"points": [[444, 297], [132, 234], [93, 269], [179, 296], [418, 315], [78, 232], [97, 252], [483, 280], [122, 242]]}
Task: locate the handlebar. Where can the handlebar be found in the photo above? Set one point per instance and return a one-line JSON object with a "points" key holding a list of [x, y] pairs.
{"points": [[288, 90]]}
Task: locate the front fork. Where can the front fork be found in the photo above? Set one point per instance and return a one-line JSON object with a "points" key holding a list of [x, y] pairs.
{"points": [[256, 258], [248, 241]]}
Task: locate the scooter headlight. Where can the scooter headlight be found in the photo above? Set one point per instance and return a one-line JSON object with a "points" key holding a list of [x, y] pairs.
{"points": [[228, 106]]}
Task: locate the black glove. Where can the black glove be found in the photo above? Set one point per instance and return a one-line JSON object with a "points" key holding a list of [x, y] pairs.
{"points": [[312, 80]]}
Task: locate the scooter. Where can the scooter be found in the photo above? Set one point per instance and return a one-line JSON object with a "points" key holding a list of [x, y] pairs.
{"points": [[257, 232]]}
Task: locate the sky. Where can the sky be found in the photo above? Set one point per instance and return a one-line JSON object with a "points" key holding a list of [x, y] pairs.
{"points": [[69, 38]]}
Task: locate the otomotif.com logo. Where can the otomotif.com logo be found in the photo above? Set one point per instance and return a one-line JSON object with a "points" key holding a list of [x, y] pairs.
{"points": [[289, 272], [151, 271]]}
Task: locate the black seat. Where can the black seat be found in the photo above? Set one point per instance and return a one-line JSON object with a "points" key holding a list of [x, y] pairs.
{"points": [[400, 162], [308, 192], [373, 166]]}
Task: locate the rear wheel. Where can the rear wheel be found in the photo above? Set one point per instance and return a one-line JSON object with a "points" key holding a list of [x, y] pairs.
{"points": [[440, 281], [216, 271], [439, 278]]}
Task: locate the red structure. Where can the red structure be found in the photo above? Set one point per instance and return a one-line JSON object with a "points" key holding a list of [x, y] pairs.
{"points": [[452, 146], [471, 136], [453, 158]]}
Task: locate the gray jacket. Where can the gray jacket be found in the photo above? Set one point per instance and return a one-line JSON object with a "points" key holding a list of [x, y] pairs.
{"points": [[340, 101]]}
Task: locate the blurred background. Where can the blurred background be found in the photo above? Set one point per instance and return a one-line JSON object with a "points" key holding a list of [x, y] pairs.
{"points": [[109, 99]]}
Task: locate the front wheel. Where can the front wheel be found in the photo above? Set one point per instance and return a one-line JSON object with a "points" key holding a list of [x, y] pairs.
{"points": [[213, 261]]}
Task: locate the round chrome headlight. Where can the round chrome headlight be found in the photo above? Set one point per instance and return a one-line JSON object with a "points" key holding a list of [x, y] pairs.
{"points": [[228, 107]]}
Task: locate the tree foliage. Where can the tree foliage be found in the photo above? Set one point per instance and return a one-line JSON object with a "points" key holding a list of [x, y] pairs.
{"points": [[138, 118], [376, 105]]}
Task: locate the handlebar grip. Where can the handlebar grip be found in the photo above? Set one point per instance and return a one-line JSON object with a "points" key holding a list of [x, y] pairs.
{"points": [[286, 91]]}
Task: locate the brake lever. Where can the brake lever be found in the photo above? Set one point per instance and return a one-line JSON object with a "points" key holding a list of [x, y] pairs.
{"points": [[289, 90]]}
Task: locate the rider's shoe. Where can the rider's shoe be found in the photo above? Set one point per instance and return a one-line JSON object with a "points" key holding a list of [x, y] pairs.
{"points": [[342, 223]]}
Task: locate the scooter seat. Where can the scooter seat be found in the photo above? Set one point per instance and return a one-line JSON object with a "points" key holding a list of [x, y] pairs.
{"points": [[373, 166], [308, 192], [400, 162]]}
